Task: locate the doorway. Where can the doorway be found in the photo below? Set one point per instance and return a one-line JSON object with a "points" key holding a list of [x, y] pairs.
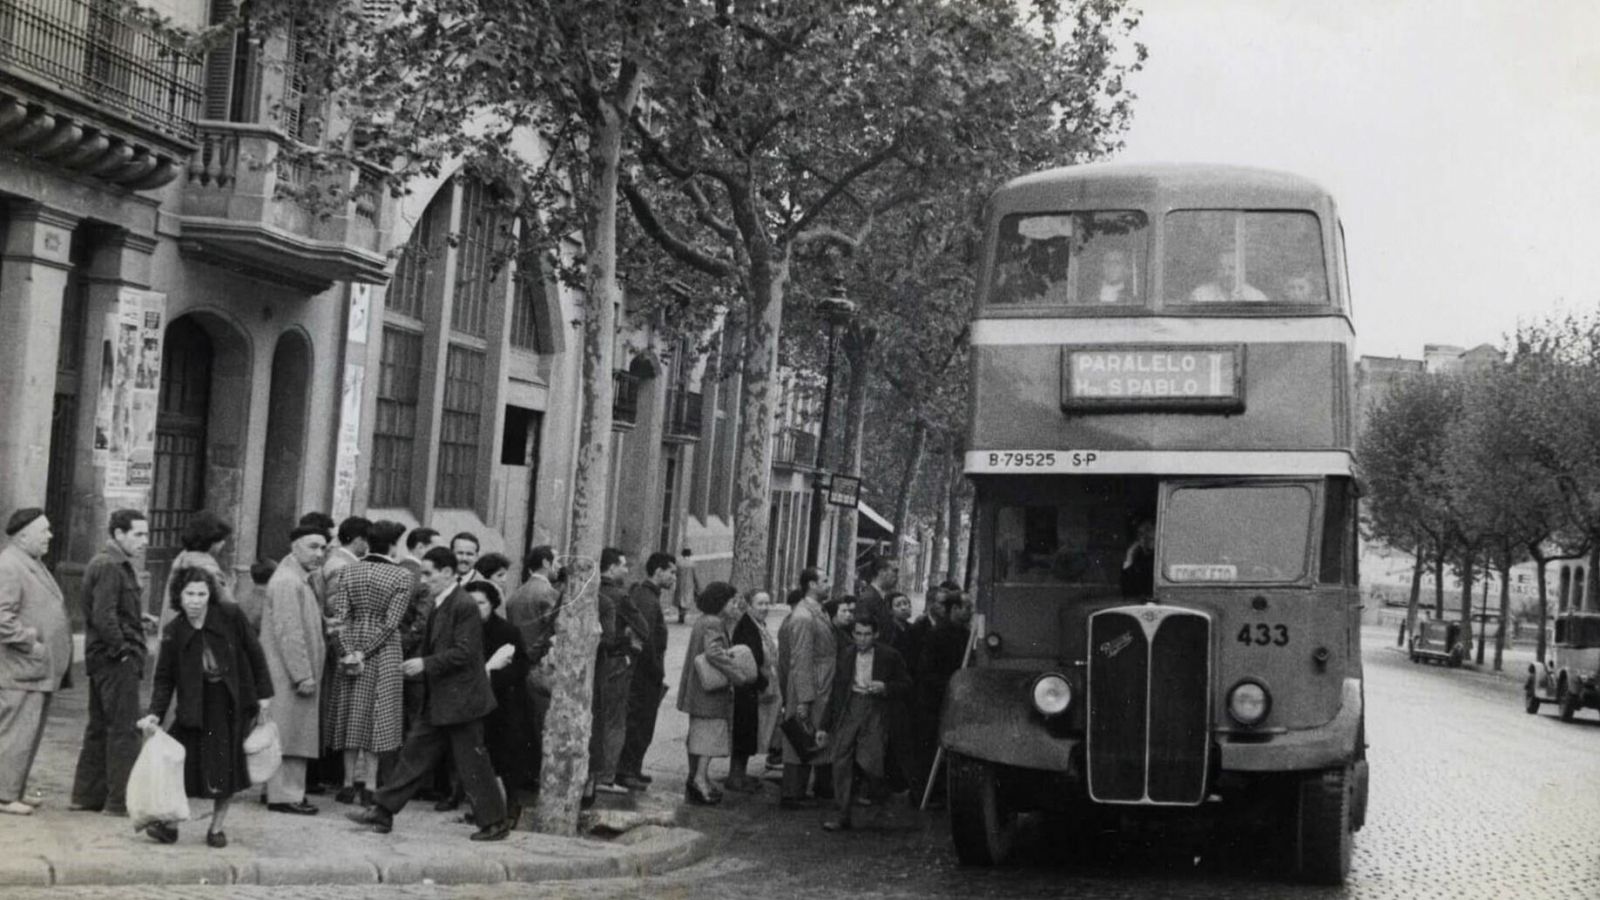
{"points": [[180, 455]]}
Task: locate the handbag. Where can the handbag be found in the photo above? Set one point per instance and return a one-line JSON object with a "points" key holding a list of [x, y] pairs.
{"points": [[711, 677], [744, 665], [263, 752], [801, 736]]}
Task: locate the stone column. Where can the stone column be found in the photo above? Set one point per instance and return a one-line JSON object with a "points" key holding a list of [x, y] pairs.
{"points": [[33, 281], [119, 259]]}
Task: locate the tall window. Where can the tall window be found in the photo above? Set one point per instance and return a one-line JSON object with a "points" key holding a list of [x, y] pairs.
{"points": [[408, 288], [525, 303], [475, 260], [460, 426], [394, 435]]}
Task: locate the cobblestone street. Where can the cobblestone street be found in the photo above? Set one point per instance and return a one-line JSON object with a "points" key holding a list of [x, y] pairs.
{"points": [[1470, 798]]}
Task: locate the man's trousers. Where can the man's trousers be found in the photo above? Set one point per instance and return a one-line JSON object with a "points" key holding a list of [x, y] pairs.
{"points": [[110, 741], [22, 715], [612, 677], [425, 748], [644, 701]]}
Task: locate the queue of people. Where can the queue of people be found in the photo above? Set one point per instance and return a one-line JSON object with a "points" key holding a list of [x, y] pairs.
{"points": [[395, 675]]}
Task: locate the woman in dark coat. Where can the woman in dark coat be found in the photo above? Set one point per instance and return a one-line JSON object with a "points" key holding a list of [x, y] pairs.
{"points": [[211, 661], [747, 702], [508, 731]]}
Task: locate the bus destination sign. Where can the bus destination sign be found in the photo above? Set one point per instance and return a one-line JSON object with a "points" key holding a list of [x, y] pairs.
{"points": [[1105, 378]]}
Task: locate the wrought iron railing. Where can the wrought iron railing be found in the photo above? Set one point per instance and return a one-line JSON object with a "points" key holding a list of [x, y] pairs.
{"points": [[625, 398], [796, 446], [684, 411], [105, 56]]}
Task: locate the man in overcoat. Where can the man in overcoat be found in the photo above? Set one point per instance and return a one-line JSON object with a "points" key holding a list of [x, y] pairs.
{"points": [[35, 651], [291, 638], [114, 656], [868, 680], [807, 654], [458, 697]]}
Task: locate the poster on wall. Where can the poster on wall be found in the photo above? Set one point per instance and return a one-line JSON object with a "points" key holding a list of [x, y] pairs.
{"points": [[129, 399], [349, 452]]}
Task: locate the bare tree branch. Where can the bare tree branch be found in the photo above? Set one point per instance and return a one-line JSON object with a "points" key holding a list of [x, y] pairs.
{"points": [[706, 215], [679, 248], [839, 187]]}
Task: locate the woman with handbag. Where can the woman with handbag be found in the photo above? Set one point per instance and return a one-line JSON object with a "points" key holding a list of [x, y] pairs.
{"points": [[704, 689], [211, 661], [755, 704]]}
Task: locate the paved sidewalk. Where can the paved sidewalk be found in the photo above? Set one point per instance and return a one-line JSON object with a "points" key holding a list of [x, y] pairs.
{"points": [[55, 846]]}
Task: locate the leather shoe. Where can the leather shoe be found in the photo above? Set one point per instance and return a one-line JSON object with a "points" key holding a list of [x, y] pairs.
{"points": [[495, 832], [83, 807], [162, 832], [216, 839], [448, 804], [633, 782], [375, 817], [298, 809], [16, 808], [837, 825]]}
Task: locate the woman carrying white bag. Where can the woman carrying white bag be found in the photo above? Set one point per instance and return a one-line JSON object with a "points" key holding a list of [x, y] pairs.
{"points": [[211, 661]]}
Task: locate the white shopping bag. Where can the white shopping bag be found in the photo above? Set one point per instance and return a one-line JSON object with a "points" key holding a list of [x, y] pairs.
{"points": [[155, 785], [263, 752]]}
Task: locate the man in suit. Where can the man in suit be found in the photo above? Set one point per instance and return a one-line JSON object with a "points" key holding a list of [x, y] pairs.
{"points": [[869, 677], [649, 682], [35, 651], [531, 609], [807, 655], [458, 697], [873, 600], [353, 547], [622, 637], [114, 655]]}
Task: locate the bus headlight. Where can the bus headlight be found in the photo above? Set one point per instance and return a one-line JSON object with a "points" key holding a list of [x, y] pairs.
{"points": [[1249, 702], [1051, 694]]}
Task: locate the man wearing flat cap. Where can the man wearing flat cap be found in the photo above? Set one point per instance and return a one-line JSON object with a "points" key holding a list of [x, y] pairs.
{"points": [[292, 640], [35, 651]]}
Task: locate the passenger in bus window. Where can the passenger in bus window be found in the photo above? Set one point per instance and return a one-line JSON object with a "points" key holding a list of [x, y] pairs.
{"points": [[1116, 277], [1227, 287], [1301, 288], [1139, 563]]}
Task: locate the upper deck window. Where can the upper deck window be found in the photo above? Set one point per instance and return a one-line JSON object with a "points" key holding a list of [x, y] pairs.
{"points": [[1071, 259], [1234, 256]]}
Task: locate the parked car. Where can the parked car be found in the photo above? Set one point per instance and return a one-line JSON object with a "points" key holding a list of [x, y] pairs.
{"points": [[1438, 641], [1570, 677]]}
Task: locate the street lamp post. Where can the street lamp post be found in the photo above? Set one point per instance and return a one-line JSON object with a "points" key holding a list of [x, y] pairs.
{"points": [[837, 309]]}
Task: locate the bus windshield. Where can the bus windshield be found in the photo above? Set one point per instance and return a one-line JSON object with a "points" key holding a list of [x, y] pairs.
{"points": [[1071, 259], [1236, 533], [1233, 256]]}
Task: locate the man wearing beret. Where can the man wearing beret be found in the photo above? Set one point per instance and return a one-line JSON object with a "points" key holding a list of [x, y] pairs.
{"points": [[35, 651]]}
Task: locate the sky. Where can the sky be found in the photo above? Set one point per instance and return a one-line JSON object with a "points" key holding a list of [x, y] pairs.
{"points": [[1460, 139]]}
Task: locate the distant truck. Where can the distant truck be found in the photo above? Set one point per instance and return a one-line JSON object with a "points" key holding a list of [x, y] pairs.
{"points": [[1570, 677], [1439, 641]]}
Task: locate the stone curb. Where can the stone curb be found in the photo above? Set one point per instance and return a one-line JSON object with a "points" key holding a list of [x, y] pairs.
{"points": [[650, 850]]}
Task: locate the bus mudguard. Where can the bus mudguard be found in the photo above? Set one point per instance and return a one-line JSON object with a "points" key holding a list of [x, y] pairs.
{"points": [[1305, 749], [987, 715]]}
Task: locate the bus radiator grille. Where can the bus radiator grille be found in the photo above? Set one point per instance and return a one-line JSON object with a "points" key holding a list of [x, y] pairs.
{"points": [[1148, 690]]}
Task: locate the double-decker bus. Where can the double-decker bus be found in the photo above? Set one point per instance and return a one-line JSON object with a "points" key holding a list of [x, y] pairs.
{"points": [[1165, 519]]}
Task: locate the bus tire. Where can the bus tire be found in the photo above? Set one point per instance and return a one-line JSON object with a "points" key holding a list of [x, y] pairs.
{"points": [[1530, 698], [1323, 835], [983, 829], [1566, 701]]}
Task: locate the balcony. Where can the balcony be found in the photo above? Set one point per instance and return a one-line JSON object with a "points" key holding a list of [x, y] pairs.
{"points": [[242, 207], [89, 87], [684, 411], [795, 447], [624, 398]]}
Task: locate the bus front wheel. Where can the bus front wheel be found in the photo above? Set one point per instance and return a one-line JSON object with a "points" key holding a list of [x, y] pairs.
{"points": [[1323, 834], [1566, 701], [983, 828]]}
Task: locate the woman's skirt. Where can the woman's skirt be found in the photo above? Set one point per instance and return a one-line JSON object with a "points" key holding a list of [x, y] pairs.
{"points": [[709, 737], [213, 763]]}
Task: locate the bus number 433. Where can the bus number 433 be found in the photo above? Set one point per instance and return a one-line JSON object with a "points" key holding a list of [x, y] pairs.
{"points": [[1262, 634]]}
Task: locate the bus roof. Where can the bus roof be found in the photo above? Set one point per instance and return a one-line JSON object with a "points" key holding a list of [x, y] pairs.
{"points": [[1179, 184]]}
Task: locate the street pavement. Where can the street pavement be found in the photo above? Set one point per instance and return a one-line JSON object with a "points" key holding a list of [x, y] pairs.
{"points": [[1471, 798]]}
